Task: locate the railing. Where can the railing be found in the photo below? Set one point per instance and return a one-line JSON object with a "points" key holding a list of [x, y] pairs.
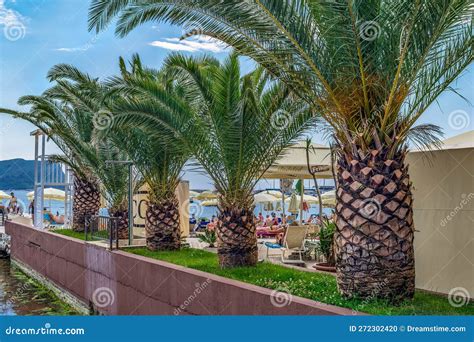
{"points": [[3, 216], [102, 228]]}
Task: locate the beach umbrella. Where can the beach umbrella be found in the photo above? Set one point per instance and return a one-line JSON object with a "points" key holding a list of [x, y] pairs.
{"points": [[51, 194], [306, 198], [329, 202], [193, 193], [4, 195], [293, 206], [209, 203], [264, 197], [329, 195], [206, 195], [274, 193]]}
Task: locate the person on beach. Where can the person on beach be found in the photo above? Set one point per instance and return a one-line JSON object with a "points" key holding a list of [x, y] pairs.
{"points": [[51, 218], [13, 205]]}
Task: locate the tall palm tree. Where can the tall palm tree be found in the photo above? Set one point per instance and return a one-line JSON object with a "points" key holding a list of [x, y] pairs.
{"points": [[231, 124], [159, 163], [371, 68], [69, 113], [86, 196]]}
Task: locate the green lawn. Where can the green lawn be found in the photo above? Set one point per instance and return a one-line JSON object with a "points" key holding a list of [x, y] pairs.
{"points": [[80, 235], [316, 286]]}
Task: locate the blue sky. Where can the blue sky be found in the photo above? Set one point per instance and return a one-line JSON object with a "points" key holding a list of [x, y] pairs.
{"points": [[37, 34]]}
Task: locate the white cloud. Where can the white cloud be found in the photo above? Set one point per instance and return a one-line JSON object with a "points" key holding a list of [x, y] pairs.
{"points": [[74, 49], [81, 48], [195, 44]]}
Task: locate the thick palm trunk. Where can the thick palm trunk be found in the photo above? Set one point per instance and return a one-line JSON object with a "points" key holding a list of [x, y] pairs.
{"points": [[86, 202], [374, 237], [162, 226], [236, 238], [122, 222]]}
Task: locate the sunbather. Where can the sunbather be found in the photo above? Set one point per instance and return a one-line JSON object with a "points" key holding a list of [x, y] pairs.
{"points": [[51, 218]]}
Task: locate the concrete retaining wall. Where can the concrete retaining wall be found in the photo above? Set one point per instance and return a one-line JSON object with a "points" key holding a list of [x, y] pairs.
{"points": [[121, 283]]}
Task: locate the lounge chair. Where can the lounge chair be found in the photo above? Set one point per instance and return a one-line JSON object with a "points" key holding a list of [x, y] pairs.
{"points": [[293, 241]]}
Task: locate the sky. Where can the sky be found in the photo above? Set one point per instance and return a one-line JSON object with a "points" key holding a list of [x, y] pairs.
{"points": [[37, 34]]}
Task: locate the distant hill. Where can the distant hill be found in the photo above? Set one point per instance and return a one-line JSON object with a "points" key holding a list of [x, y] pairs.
{"points": [[17, 174]]}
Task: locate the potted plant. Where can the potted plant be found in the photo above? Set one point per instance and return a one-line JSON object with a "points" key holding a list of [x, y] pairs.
{"points": [[326, 246], [209, 237]]}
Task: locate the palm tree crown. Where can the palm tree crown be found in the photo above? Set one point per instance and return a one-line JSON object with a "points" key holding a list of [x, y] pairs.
{"points": [[370, 67]]}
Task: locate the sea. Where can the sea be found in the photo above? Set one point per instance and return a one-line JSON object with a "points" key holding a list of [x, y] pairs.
{"points": [[54, 206]]}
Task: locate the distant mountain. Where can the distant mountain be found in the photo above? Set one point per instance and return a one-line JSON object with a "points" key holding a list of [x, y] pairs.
{"points": [[17, 174]]}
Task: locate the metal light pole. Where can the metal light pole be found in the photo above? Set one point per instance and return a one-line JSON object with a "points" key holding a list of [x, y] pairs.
{"points": [[130, 195]]}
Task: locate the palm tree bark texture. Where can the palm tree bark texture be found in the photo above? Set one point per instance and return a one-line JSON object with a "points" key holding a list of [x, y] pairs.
{"points": [[86, 202], [162, 225], [236, 238], [121, 222], [375, 231]]}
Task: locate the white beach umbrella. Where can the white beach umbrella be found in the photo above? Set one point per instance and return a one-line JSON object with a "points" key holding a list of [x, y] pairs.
{"points": [[209, 203], [49, 194], [306, 198], [331, 194], [329, 202], [193, 193], [4, 195], [274, 193], [206, 195], [293, 206], [264, 197]]}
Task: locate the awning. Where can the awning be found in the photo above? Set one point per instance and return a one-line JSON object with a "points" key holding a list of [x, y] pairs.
{"points": [[293, 164]]}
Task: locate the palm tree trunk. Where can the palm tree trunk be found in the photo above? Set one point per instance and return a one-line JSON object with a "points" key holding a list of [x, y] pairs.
{"points": [[374, 235], [236, 238], [86, 202], [162, 225], [122, 222]]}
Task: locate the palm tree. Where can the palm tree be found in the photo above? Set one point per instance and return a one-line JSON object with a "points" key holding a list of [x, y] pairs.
{"points": [[371, 68], [231, 124], [86, 197], [69, 113], [159, 163]]}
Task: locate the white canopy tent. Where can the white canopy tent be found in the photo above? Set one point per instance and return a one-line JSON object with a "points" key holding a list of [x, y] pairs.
{"points": [[292, 164]]}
